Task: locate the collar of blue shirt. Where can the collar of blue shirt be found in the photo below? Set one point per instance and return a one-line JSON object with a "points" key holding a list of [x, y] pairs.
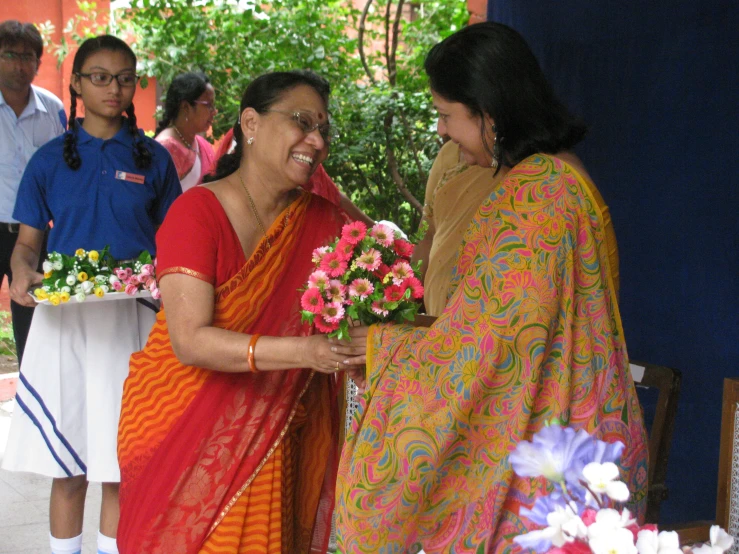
{"points": [[123, 136]]}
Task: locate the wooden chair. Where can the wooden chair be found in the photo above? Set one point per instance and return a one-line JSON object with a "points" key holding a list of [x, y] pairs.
{"points": [[667, 382], [727, 500]]}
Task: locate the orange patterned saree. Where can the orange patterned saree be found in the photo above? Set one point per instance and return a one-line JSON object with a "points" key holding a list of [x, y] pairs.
{"points": [[220, 462]]}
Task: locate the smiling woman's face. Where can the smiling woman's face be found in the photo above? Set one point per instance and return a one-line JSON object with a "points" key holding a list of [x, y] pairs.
{"points": [[462, 127]]}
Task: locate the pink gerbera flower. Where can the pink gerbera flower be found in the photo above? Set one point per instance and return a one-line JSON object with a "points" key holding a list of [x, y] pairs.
{"points": [[394, 293], [319, 253], [353, 233], [369, 260], [312, 301], [378, 308], [323, 326], [401, 271], [361, 288], [383, 234], [334, 264], [318, 280], [345, 248], [335, 291], [416, 287], [403, 248], [333, 312]]}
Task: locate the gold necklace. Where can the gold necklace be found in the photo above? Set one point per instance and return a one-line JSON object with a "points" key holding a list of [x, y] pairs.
{"points": [[188, 144], [254, 209]]}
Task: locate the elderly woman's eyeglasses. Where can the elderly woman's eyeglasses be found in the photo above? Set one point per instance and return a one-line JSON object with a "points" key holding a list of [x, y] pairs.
{"points": [[207, 104], [306, 123], [23, 57], [104, 79]]}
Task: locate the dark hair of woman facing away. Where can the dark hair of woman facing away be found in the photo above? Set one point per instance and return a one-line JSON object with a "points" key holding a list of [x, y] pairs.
{"points": [[141, 154], [186, 87], [261, 94], [489, 68]]}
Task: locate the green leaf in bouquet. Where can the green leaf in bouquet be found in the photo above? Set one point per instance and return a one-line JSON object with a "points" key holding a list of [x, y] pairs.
{"points": [[390, 306], [144, 257], [417, 237], [342, 333], [305, 315], [352, 311]]}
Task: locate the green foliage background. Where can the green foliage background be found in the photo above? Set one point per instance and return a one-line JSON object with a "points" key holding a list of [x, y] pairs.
{"points": [[382, 114]]}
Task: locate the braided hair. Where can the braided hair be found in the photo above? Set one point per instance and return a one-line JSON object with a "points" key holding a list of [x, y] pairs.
{"points": [[186, 87], [261, 94], [141, 154]]}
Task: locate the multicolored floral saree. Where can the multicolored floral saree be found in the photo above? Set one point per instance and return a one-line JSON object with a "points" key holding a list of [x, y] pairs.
{"points": [[531, 332], [219, 462]]}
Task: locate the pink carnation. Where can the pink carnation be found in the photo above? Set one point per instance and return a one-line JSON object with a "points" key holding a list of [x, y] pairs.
{"points": [[403, 248], [335, 291], [353, 233], [416, 287], [147, 270], [361, 288], [121, 273], [369, 260], [318, 279], [333, 264], [401, 271], [117, 286], [378, 308], [383, 234], [155, 294], [312, 301], [151, 284], [333, 312], [132, 289]]}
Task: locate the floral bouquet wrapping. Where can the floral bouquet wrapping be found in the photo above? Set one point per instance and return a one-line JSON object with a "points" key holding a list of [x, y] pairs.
{"points": [[94, 273], [585, 512], [365, 275]]}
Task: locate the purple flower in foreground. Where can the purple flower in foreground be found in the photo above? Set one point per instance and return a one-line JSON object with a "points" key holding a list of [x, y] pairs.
{"points": [[551, 453], [543, 506], [601, 453]]}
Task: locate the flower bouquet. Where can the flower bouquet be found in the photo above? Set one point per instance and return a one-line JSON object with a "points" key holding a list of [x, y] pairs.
{"points": [[585, 512], [94, 273], [365, 275]]}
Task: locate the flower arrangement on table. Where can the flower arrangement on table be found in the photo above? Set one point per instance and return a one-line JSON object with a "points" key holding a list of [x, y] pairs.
{"points": [[585, 512], [95, 273], [365, 275]]}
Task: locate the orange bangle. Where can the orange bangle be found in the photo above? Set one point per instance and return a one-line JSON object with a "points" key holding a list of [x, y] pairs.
{"points": [[250, 355]]}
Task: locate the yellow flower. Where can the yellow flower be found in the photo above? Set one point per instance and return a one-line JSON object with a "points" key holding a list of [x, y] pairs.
{"points": [[55, 299], [80, 253], [93, 255], [47, 274], [64, 297], [41, 294], [82, 277], [99, 292]]}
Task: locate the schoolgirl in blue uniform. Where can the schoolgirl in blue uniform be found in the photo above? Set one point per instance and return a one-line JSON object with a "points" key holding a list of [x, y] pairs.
{"points": [[101, 183]]}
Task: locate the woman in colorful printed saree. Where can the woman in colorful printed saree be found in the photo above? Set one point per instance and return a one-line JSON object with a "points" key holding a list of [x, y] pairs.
{"points": [[531, 329], [224, 445]]}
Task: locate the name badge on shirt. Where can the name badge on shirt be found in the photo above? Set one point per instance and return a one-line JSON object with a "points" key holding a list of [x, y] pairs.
{"points": [[133, 177]]}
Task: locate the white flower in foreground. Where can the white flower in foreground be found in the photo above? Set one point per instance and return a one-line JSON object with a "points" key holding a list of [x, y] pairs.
{"points": [[721, 541], [613, 541], [652, 542], [80, 297], [47, 266], [71, 280], [609, 520], [87, 287], [57, 265], [603, 479], [563, 526]]}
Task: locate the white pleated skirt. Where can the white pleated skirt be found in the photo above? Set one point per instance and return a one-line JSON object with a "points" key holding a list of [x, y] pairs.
{"points": [[68, 400]]}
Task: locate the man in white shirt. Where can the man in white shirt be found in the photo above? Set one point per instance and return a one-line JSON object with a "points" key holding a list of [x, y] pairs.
{"points": [[29, 117]]}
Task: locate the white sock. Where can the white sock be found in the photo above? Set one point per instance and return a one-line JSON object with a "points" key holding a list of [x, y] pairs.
{"points": [[66, 546], [106, 545]]}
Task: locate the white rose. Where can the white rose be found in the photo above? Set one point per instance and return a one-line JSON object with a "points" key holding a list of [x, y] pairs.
{"points": [[66, 289], [78, 289], [87, 287], [58, 265], [47, 266], [113, 280], [80, 297], [71, 280], [99, 279], [105, 288]]}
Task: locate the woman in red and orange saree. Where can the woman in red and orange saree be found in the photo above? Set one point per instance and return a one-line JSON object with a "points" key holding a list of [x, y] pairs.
{"points": [[215, 456]]}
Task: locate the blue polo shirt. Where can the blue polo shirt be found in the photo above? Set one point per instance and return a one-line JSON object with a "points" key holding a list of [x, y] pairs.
{"points": [[107, 201]]}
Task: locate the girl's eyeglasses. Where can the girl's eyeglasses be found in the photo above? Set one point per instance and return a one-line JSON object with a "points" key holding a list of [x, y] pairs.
{"points": [[306, 124], [104, 79]]}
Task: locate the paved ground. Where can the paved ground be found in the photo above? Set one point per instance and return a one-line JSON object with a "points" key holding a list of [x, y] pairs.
{"points": [[24, 504]]}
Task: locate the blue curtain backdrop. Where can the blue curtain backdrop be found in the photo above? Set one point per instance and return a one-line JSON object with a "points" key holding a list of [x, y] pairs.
{"points": [[658, 84]]}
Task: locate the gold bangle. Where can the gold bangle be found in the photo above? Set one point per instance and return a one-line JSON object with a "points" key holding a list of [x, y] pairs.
{"points": [[250, 354]]}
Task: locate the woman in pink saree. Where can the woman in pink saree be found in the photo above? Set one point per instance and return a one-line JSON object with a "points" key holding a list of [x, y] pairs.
{"points": [[529, 330]]}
